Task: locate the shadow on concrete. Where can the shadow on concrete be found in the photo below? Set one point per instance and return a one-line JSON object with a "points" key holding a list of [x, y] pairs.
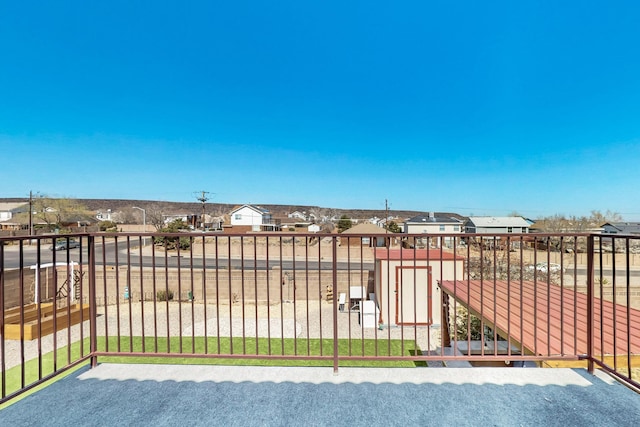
{"points": [[245, 396]]}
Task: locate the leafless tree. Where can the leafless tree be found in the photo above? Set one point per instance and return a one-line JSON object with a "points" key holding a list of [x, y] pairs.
{"points": [[155, 216], [56, 212]]}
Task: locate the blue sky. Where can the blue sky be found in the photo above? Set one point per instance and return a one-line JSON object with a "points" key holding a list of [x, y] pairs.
{"points": [[472, 107]]}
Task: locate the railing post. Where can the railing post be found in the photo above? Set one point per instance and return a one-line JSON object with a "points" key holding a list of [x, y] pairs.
{"points": [[590, 303], [334, 267], [93, 315]]}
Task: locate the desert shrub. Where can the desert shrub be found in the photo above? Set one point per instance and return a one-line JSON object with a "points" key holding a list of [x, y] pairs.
{"points": [[164, 295], [171, 242], [107, 226]]}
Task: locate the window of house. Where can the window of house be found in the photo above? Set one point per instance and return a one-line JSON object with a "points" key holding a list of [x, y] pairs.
{"points": [[238, 216], [456, 228], [442, 228], [509, 229]]}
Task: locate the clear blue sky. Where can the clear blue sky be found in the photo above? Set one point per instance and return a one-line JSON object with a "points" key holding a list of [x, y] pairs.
{"points": [[470, 107]]}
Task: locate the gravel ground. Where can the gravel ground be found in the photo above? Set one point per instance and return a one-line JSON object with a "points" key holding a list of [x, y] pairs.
{"points": [[286, 319]]}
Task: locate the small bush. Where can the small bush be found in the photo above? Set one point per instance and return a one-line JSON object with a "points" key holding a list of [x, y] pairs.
{"points": [[107, 226], [164, 295]]}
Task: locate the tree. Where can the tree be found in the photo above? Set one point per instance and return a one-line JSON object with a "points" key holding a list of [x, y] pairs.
{"points": [[599, 218], [155, 216], [129, 216], [392, 227], [174, 242], [345, 223], [59, 213]]}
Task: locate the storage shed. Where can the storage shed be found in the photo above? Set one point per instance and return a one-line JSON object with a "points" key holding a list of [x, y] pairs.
{"points": [[405, 285]]}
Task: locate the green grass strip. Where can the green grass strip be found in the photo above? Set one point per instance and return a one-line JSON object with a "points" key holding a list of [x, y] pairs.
{"points": [[223, 345]]}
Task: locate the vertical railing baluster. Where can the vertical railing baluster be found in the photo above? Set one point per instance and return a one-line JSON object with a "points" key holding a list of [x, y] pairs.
{"points": [[334, 270], [590, 303], [93, 312]]}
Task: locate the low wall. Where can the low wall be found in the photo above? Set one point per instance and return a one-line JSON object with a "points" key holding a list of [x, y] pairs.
{"points": [[12, 286], [223, 286]]}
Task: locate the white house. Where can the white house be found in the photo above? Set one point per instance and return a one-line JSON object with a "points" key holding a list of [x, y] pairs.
{"points": [[437, 225], [297, 215], [8, 209], [254, 218], [104, 215], [496, 225]]}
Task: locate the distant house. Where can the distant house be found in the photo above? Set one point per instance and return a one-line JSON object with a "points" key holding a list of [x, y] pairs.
{"points": [[252, 218], [626, 228], [382, 222], [169, 218], [496, 225], [360, 236], [563, 225], [104, 215], [298, 215], [434, 224], [7, 213]]}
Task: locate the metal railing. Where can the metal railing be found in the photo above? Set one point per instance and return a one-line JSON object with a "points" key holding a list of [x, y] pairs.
{"points": [[384, 299]]}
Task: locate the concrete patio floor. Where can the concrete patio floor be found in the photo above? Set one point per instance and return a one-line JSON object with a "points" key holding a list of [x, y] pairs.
{"points": [[181, 395]]}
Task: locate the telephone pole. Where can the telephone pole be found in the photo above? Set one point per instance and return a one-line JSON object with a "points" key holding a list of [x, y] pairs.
{"points": [[30, 214], [202, 198], [386, 219]]}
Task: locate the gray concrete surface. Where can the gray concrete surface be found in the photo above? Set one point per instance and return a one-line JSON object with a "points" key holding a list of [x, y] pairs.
{"points": [[179, 395]]}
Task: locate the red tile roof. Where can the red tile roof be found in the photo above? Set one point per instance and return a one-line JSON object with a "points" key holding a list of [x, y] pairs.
{"points": [[547, 319]]}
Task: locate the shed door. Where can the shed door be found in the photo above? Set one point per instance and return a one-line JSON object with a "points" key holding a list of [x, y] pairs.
{"points": [[413, 295]]}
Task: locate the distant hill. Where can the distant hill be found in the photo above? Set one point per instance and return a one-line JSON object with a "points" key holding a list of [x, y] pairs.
{"points": [[218, 208]]}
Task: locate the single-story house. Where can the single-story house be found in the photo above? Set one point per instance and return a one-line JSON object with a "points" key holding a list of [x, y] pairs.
{"points": [[496, 225], [625, 228], [367, 235]]}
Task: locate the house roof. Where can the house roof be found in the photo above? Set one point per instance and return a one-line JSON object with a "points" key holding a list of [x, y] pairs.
{"points": [[625, 227], [546, 320], [13, 206], [415, 254], [364, 229], [258, 209], [498, 221], [420, 219]]}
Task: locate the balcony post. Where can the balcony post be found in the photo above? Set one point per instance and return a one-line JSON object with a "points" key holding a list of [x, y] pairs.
{"points": [[93, 315], [334, 272], [590, 303]]}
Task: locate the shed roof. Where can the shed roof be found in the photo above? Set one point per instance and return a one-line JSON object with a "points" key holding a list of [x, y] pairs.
{"points": [[548, 319], [415, 254]]}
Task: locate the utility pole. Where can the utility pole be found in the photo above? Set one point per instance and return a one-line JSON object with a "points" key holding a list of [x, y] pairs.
{"points": [[386, 219], [203, 199], [30, 214]]}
